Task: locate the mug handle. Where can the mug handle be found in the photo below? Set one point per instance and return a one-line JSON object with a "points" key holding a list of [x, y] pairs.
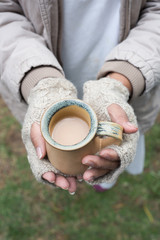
{"points": [[108, 133]]}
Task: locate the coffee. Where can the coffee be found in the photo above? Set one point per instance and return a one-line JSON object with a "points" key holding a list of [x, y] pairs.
{"points": [[70, 130]]}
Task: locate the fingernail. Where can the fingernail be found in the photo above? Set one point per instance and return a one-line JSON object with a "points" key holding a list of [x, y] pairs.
{"points": [[72, 193], [65, 188], [130, 125], [80, 180], [39, 152], [90, 179], [52, 182]]}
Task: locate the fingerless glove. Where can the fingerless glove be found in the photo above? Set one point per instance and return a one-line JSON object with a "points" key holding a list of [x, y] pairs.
{"points": [[45, 93], [100, 94]]}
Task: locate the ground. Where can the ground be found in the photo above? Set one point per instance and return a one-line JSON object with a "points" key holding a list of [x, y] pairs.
{"points": [[30, 210]]}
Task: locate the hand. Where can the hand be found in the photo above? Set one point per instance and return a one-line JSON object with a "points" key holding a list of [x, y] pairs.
{"points": [[45, 93], [109, 99], [108, 159], [66, 183]]}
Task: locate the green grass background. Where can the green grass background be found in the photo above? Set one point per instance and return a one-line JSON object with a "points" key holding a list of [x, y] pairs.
{"points": [[33, 211]]}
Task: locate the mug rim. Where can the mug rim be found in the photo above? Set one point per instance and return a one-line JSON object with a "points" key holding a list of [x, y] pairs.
{"points": [[48, 114]]}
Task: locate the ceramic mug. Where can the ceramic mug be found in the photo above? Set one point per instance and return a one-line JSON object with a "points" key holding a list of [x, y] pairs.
{"points": [[68, 158]]}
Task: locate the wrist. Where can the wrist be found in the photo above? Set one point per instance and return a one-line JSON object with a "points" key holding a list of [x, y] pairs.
{"points": [[50, 90], [121, 78], [34, 76]]}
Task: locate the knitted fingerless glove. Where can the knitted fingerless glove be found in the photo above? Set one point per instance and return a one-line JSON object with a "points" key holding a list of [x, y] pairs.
{"points": [[45, 93], [100, 94]]}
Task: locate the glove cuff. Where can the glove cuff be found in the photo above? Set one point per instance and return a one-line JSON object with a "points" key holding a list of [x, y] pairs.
{"points": [[60, 87], [106, 85], [35, 75]]}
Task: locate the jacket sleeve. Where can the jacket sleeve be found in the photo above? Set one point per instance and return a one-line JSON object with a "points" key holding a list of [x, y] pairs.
{"points": [[138, 56], [20, 50]]}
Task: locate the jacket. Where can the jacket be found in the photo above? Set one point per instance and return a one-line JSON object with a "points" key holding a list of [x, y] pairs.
{"points": [[30, 44]]}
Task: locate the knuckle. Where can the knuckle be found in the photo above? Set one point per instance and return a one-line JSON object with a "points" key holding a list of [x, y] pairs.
{"points": [[113, 165]]}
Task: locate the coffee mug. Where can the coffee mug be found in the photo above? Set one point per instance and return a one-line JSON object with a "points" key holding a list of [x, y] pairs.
{"points": [[68, 158]]}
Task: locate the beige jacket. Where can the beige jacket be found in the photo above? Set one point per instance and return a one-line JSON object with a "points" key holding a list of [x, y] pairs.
{"points": [[30, 50]]}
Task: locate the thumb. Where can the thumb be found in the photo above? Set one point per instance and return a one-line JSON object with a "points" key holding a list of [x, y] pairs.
{"points": [[37, 140], [118, 115]]}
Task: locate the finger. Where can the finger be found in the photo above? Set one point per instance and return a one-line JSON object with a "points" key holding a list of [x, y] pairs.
{"points": [[118, 115], [100, 162], [62, 182], [109, 154], [91, 174], [72, 185], [49, 176], [80, 178], [38, 140]]}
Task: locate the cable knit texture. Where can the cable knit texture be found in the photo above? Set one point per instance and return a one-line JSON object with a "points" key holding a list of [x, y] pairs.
{"points": [[99, 95], [45, 93]]}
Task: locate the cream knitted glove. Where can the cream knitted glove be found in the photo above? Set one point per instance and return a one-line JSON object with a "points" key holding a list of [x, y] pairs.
{"points": [[45, 93], [99, 94]]}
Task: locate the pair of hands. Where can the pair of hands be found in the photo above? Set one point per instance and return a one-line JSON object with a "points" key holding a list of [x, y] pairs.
{"points": [[108, 98], [107, 160]]}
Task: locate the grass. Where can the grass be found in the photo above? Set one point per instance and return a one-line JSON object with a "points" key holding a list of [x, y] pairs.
{"points": [[30, 210]]}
